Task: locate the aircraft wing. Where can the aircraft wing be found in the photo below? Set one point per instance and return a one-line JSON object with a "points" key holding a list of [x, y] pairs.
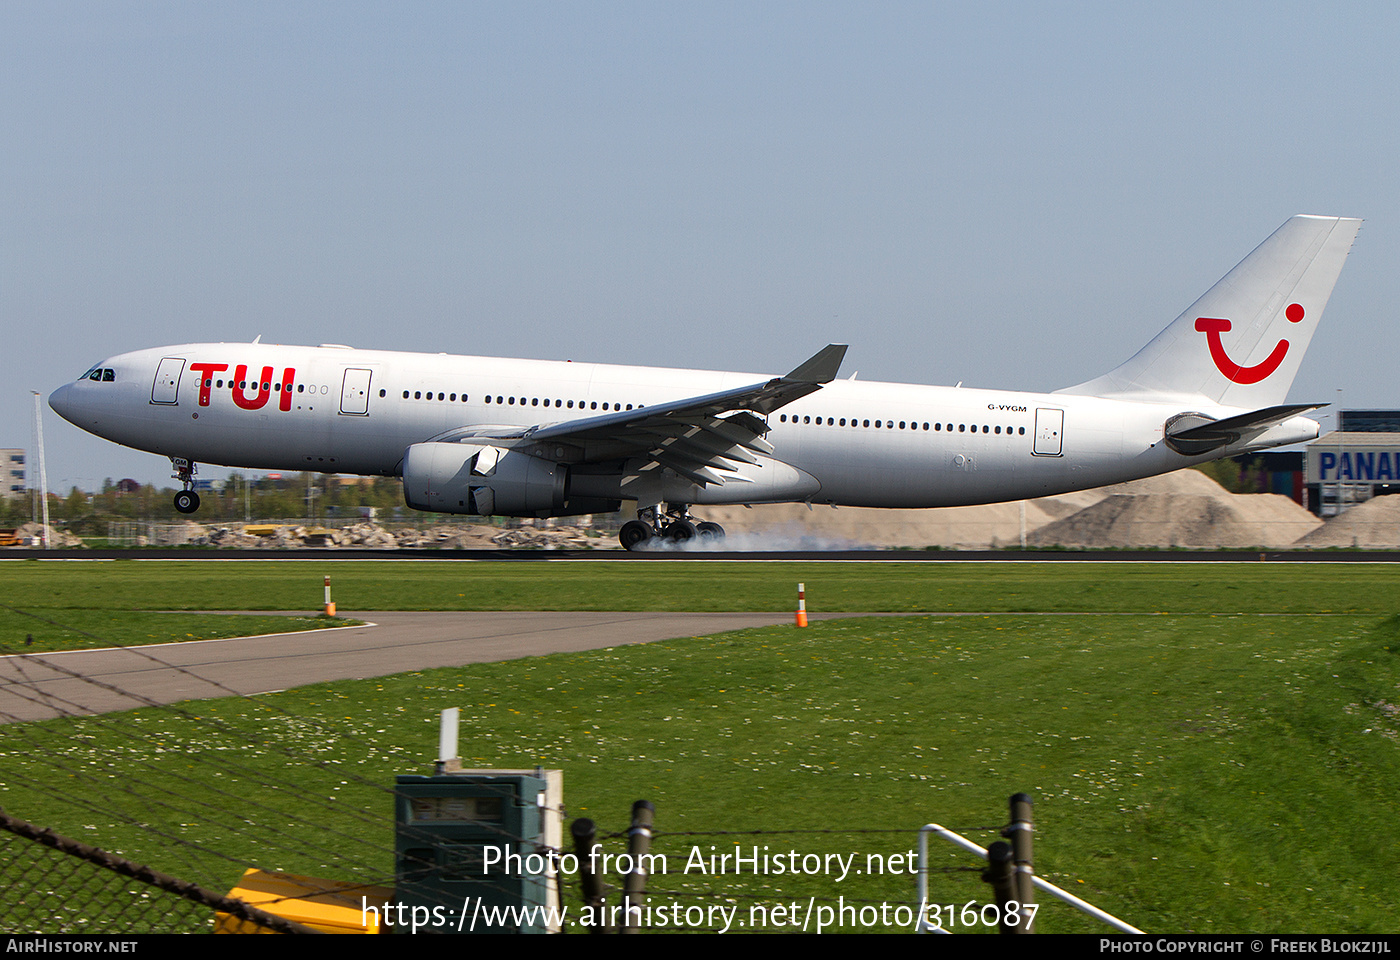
{"points": [[700, 438]]}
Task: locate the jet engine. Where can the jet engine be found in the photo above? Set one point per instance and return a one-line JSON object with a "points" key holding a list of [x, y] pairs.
{"points": [[482, 480]]}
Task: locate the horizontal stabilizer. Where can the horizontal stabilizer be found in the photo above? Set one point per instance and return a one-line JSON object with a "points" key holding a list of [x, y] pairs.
{"points": [[1188, 435]]}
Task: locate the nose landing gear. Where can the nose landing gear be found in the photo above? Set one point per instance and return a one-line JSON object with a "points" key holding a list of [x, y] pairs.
{"points": [[674, 527], [186, 501]]}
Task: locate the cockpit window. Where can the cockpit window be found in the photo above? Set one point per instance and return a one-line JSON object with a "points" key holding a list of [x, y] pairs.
{"points": [[109, 375], [101, 375]]}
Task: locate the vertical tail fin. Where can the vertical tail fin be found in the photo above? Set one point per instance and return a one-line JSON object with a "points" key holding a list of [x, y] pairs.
{"points": [[1240, 345]]}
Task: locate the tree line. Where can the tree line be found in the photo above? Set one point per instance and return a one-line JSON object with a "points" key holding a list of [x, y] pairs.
{"points": [[309, 496]]}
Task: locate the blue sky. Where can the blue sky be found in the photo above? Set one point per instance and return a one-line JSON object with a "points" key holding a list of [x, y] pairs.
{"points": [[1012, 195]]}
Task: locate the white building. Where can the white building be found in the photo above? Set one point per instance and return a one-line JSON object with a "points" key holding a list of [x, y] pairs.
{"points": [[1346, 468], [13, 485]]}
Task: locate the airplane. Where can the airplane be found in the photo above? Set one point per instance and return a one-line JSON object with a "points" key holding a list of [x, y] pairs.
{"points": [[539, 438]]}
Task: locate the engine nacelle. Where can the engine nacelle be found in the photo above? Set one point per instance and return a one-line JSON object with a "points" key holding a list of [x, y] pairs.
{"points": [[483, 480]]}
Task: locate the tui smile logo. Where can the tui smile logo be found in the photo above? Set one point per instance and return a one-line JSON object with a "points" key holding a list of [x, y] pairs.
{"points": [[1213, 328]]}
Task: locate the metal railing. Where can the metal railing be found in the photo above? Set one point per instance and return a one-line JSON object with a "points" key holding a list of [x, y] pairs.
{"points": [[924, 926]]}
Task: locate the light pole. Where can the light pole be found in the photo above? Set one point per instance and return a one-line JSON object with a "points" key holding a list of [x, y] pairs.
{"points": [[43, 475]]}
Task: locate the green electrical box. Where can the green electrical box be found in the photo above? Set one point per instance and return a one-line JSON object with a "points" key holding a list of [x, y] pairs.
{"points": [[473, 851]]}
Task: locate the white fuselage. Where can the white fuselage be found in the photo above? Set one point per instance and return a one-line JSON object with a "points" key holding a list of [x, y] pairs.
{"points": [[338, 410]]}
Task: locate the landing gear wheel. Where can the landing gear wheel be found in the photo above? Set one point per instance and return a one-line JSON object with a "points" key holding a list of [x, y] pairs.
{"points": [[680, 531], [186, 501], [710, 532], [634, 534]]}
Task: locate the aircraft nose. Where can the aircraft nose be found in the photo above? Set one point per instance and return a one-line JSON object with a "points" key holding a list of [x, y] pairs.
{"points": [[61, 401]]}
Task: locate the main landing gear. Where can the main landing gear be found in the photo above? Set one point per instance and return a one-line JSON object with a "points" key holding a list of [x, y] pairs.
{"points": [[674, 527], [186, 501]]}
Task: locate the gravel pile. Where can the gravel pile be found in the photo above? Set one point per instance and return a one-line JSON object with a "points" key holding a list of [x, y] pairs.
{"points": [[372, 536], [1185, 509], [1373, 525]]}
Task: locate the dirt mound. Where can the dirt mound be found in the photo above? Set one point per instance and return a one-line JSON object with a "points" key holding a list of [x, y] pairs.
{"points": [[1179, 482], [57, 538], [1185, 508], [1373, 525], [1181, 520]]}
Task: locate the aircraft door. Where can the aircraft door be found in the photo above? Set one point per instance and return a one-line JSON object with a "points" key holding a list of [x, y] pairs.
{"points": [[1049, 432], [354, 393], [167, 381]]}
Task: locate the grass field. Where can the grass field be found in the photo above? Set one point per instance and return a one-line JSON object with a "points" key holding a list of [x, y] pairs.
{"points": [[951, 587], [1199, 762]]}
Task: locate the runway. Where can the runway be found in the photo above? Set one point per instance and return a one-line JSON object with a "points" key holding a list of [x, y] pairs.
{"points": [[341, 554], [81, 682]]}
